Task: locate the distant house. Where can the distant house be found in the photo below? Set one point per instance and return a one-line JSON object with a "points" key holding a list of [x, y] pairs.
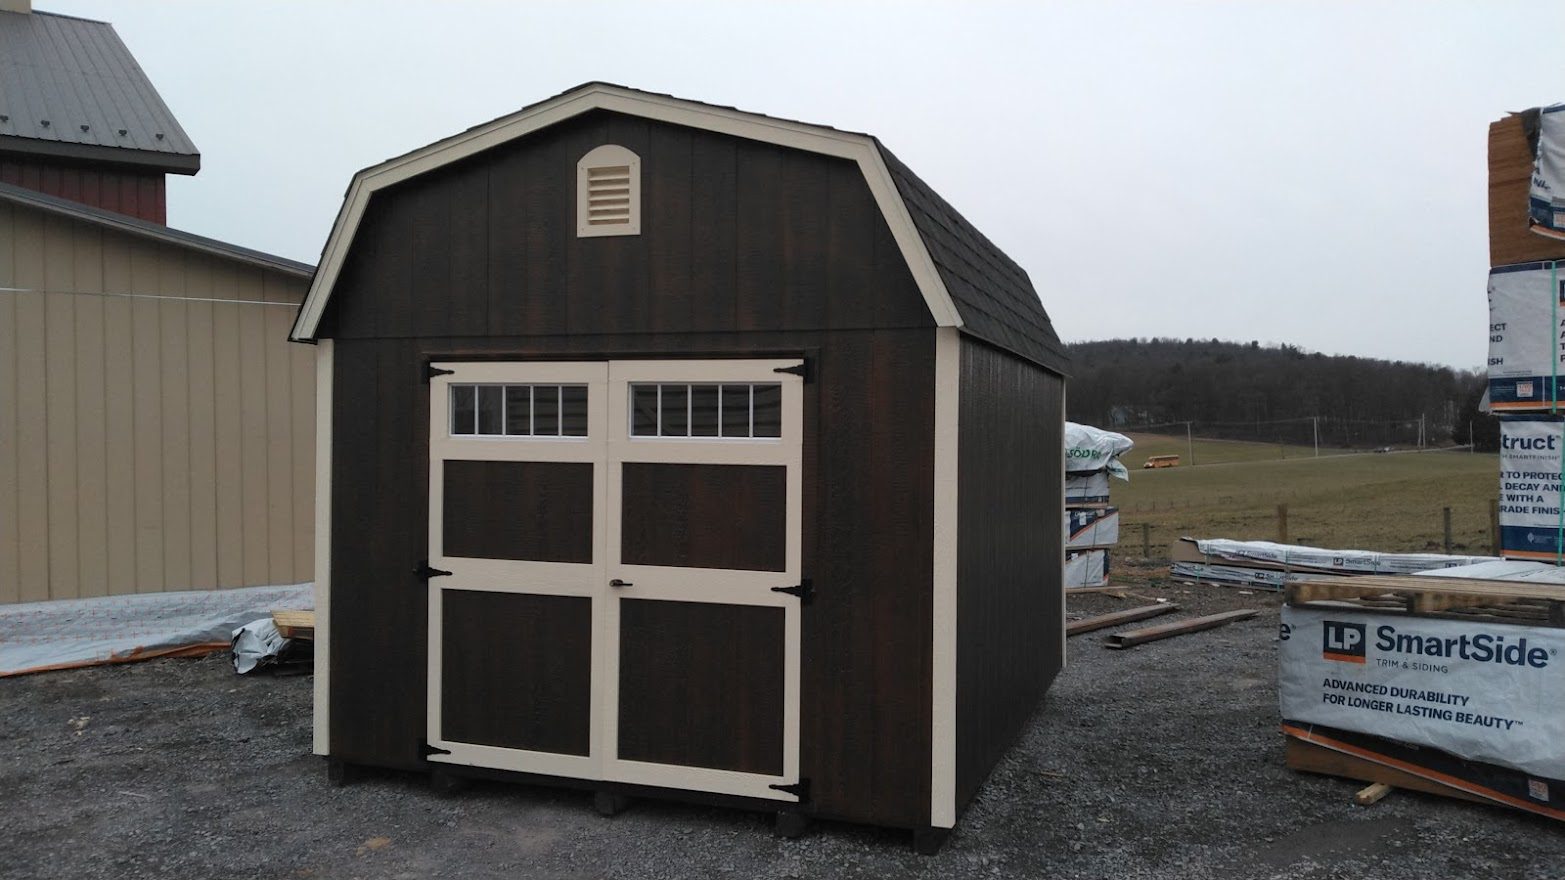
{"points": [[158, 429]]}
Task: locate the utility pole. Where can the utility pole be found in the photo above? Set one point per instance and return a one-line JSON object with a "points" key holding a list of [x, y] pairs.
{"points": [[1315, 424], [1190, 442]]}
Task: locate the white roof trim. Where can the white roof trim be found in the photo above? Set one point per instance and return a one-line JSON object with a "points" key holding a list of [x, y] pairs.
{"points": [[598, 96]]}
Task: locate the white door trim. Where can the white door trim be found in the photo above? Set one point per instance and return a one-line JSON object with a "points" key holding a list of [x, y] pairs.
{"points": [[324, 355], [721, 586], [514, 576], [608, 446]]}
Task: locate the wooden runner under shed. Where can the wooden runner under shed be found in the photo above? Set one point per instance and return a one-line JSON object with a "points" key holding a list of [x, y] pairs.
{"points": [[1177, 628]]}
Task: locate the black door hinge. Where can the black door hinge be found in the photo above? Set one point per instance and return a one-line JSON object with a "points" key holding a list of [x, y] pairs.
{"points": [[431, 371], [424, 572], [425, 749], [803, 589], [803, 370], [800, 790]]}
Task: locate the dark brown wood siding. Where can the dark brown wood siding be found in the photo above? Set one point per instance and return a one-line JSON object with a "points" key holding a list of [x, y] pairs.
{"points": [[1010, 604], [868, 510], [1510, 178], [736, 235], [139, 194]]}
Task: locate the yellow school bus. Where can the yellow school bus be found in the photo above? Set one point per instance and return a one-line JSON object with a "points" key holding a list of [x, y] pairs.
{"points": [[1161, 461]]}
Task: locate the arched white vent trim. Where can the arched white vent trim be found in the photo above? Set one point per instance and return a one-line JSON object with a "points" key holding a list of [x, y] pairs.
{"points": [[608, 192]]}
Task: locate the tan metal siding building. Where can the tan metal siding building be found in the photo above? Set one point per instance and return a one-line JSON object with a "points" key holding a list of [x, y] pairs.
{"points": [[158, 428]]}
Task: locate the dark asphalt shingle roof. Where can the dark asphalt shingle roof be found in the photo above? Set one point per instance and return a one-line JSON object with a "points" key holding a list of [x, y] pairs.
{"points": [[991, 292], [69, 87], [113, 219]]}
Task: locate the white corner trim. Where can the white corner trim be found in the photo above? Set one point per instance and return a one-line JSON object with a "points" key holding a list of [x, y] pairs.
{"points": [[323, 384], [816, 139], [1065, 526], [942, 785]]}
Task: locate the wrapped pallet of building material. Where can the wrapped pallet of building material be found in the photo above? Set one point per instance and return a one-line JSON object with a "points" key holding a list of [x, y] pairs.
{"points": [[1089, 568], [1087, 488], [1531, 451], [1473, 704], [1526, 313], [1091, 527], [1294, 557], [1546, 200], [1089, 450]]}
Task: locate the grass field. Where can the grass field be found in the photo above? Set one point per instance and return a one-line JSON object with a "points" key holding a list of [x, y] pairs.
{"points": [[1388, 502]]}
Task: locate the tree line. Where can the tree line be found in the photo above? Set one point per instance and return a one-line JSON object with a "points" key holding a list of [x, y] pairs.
{"points": [[1250, 391]]}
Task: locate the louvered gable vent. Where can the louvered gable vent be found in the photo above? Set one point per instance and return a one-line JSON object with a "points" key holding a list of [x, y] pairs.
{"points": [[608, 192]]}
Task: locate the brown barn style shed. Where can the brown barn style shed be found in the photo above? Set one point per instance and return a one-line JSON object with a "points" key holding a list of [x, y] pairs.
{"points": [[675, 450]]}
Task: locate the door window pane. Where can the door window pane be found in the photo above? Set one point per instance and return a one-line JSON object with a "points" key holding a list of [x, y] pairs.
{"points": [[491, 402], [767, 409], [519, 410], [573, 410], [546, 410], [736, 410], [674, 411], [644, 410], [703, 410], [463, 408]]}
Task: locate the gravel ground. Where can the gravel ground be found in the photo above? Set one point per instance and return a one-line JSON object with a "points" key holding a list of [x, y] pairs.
{"points": [[1160, 761]]}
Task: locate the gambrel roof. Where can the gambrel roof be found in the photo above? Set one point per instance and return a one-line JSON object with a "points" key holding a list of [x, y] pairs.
{"points": [[966, 281]]}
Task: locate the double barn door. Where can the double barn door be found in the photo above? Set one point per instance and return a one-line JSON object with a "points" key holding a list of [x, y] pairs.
{"points": [[611, 551]]}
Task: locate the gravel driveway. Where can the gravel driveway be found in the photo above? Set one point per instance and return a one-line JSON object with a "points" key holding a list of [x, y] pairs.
{"points": [[1160, 761]]}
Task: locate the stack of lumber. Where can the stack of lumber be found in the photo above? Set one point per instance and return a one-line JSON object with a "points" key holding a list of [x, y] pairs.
{"points": [[1526, 257], [1265, 565], [1091, 522], [1434, 682]]}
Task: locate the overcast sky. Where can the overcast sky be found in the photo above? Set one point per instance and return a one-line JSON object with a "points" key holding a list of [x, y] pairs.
{"points": [[1311, 173]]}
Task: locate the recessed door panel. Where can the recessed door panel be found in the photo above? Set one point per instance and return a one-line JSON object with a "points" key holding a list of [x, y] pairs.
{"points": [[701, 685], [524, 510], [704, 515], [517, 671]]}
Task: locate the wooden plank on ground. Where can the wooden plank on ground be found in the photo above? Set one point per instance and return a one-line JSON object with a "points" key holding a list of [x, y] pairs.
{"points": [[295, 624], [1177, 628], [1371, 794], [1103, 621]]}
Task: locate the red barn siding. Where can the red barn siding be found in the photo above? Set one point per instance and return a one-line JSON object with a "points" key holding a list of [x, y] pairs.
{"points": [[139, 194]]}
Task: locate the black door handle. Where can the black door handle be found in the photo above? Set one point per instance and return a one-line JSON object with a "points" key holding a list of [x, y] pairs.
{"points": [[619, 583]]}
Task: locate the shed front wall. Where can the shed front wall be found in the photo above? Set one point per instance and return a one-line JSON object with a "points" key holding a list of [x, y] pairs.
{"points": [[1010, 553], [746, 249], [147, 444]]}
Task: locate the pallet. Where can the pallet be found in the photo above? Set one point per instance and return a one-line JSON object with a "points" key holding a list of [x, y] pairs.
{"points": [[1524, 602], [1311, 758], [295, 624]]}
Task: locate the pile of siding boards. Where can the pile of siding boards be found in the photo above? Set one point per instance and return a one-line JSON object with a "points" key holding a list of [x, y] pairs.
{"points": [[1451, 680], [1091, 523], [1265, 565]]}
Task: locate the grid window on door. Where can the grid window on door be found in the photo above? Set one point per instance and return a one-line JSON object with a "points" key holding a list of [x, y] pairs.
{"points": [[706, 411], [519, 410]]}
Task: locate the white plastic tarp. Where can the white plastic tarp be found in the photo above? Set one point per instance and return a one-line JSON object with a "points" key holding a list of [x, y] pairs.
{"points": [[1089, 450], [1091, 527], [1086, 488], [1546, 199], [61, 634], [1526, 307], [1478, 689], [1504, 570], [1087, 569]]}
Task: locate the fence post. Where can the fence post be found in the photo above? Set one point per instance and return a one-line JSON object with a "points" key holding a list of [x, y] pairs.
{"points": [[1146, 540], [1447, 515], [1494, 527], [1282, 523]]}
